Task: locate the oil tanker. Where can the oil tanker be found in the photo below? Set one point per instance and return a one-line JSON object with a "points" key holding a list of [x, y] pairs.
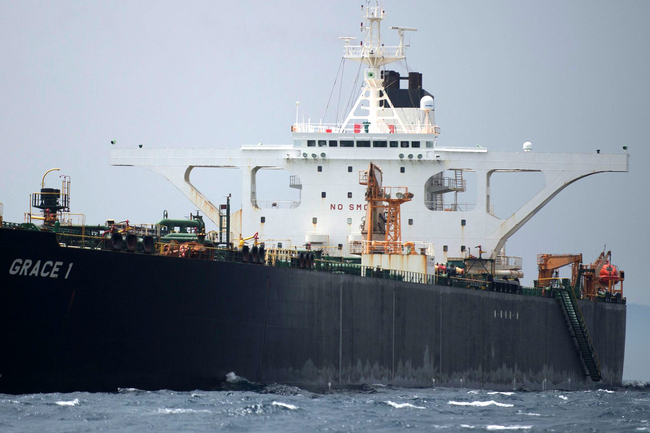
{"points": [[354, 281]]}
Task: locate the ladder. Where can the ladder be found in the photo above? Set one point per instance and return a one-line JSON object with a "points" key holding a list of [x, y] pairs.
{"points": [[438, 203], [579, 332]]}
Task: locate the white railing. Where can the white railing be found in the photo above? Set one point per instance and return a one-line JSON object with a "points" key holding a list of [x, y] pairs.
{"points": [[449, 207], [408, 247], [363, 51], [361, 128], [508, 262], [448, 182], [72, 219]]}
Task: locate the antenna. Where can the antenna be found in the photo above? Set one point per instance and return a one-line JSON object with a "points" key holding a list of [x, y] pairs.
{"points": [[400, 32]]}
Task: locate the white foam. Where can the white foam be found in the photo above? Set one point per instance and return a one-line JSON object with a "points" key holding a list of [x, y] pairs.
{"points": [[177, 411], [467, 426], [402, 405], [500, 393], [284, 405], [473, 392], [509, 427], [68, 403], [606, 390], [232, 377], [563, 397], [479, 403]]}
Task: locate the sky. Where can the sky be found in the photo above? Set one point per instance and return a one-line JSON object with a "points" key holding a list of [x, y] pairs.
{"points": [[566, 76]]}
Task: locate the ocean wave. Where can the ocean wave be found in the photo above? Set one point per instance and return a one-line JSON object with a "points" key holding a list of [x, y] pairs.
{"points": [[233, 378], [402, 405], [529, 413], [166, 411], [284, 405], [479, 403], [74, 402]]}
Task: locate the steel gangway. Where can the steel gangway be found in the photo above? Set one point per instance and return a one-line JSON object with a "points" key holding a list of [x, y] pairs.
{"points": [[579, 332]]}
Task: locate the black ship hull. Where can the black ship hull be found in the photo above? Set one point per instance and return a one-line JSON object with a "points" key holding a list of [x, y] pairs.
{"points": [[78, 319]]}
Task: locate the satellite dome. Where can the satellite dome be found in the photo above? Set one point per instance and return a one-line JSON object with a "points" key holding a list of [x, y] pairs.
{"points": [[426, 103], [528, 146]]}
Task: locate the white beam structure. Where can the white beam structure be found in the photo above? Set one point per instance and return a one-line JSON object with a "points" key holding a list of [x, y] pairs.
{"points": [[319, 199]]}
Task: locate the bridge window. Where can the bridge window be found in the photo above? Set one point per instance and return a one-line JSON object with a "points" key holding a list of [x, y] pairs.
{"points": [[404, 144], [363, 143], [347, 143], [322, 143], [415, 144], [311, 143], [334, 143], [379, 143], [394, 144], [429, 143]]}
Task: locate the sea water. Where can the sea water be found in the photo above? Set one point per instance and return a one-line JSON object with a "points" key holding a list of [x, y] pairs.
{"points": [[276, 408]]}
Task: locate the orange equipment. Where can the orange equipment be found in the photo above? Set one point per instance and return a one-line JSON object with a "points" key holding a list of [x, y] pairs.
{"points": [[596, 279], [549, 263], [383, 223], [601, 277]]}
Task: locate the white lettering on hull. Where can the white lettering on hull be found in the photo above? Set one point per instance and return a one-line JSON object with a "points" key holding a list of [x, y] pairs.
{"points": [[46, 269], [351, 206]]}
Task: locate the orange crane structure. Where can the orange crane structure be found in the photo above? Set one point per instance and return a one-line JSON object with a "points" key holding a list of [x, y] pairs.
{"points": [[548, 264], [382, 225], [600, 278]]}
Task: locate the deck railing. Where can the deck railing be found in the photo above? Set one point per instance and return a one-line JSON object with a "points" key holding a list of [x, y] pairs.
{"points": [[287, 258]]}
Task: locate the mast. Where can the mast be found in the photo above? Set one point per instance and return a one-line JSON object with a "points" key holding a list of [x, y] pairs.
{"points": [[374, 54]]}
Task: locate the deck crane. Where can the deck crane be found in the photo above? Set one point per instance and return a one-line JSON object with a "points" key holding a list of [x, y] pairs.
{"points": [[382, 225], [549, 263]]}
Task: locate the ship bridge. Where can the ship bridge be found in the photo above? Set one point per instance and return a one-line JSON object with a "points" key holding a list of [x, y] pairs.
{"points": [[394, 128]]}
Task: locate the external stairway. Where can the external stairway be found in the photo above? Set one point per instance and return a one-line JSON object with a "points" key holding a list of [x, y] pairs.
{"points": [[579, 332]]}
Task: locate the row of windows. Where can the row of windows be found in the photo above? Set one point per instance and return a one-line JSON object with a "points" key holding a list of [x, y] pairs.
{"points": [[320, 169], [367, 143], [314, 220], [324, 194]]}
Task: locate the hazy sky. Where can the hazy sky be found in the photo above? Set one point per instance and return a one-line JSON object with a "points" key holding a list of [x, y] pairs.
{"points": [[567, 76]]}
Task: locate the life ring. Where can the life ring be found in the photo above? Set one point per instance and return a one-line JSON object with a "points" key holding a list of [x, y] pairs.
{"points": [[183, 250]]}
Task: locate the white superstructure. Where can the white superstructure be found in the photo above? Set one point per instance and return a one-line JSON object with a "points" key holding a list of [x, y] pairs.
{"points": [[394, 128]]}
